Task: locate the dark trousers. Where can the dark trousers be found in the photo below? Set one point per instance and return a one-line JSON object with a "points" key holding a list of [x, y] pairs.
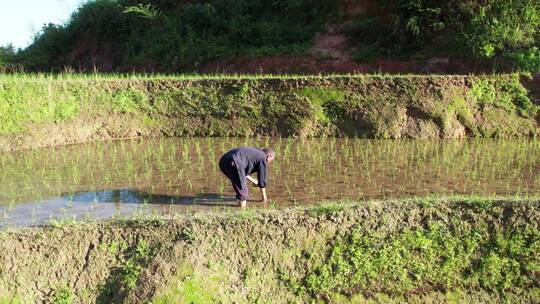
{"points": [[240, 186]]}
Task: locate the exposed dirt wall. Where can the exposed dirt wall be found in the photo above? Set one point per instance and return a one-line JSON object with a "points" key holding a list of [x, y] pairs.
{"points": [[45, 111]]}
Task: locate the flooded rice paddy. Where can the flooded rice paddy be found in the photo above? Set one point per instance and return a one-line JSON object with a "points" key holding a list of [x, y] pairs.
{"points": [[179, 175]]}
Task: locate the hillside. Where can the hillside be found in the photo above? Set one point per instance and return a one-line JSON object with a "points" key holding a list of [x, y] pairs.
{"points": [[290, 36]]}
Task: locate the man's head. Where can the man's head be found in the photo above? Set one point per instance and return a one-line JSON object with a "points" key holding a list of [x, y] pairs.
{"points": [[270, 154]]}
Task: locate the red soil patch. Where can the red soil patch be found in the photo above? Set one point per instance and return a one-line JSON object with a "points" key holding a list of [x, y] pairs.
{"points": [[306, 64], [353, 8]]}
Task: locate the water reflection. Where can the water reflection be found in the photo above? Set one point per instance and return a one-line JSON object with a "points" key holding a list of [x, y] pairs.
{"points": [[107, 204], [131, 196]]}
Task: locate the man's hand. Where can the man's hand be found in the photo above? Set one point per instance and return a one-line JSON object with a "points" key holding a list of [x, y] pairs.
{"points": [[253, 180]]}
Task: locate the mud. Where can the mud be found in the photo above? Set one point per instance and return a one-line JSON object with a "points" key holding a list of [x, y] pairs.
{"points": [[245, 255]]}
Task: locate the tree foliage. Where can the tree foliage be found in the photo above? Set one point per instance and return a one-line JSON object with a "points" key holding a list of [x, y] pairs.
{"points": [[172, 35], [7, 54], [482, 28]]}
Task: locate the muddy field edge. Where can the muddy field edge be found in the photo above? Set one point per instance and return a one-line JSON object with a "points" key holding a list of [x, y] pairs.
{"points": [[438, 249]]}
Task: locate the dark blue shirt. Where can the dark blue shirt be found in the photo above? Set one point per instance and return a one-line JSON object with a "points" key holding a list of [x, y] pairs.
{"points": [[247, 161]]}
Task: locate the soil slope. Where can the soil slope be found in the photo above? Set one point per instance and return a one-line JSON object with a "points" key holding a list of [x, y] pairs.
{"points": [[425, 250], [41, 111]]}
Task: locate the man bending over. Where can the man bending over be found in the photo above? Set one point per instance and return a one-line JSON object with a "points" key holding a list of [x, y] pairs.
{"points": [[239, 163]]}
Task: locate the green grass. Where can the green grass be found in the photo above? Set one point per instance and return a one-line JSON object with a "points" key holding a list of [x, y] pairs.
{"points": [[10, 300], [445, 257], [63, 295], [158, 76], [457, 250], [189, 287], [25, 103], [326, 209], [508, 95], [133, 265]]}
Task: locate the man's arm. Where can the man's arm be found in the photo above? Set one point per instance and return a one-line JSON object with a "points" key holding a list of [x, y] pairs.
{"points": [[251, 179], [264, 197], [261, 174]]}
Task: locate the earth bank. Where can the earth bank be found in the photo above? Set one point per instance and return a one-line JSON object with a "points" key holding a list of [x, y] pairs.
{"points": [[46, 111], [451, 250]]}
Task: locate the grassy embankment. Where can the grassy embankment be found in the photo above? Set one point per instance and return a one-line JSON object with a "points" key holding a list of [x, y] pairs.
{"points": [[46, 110], [454, 250]]}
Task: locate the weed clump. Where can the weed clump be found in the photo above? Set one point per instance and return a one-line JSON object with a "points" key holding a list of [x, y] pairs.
{"points": [[63, 295], [437, 257], [506, 94], [133, 265]]}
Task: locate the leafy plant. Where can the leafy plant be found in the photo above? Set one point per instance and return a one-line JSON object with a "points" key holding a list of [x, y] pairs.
{"points": [[508, 94], [527, 60], [63, 295], [147, 11], [437, 256], [481, 29], [132, 267]]}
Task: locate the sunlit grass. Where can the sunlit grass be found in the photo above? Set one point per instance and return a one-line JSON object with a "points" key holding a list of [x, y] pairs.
{"points": [[195, 76]]}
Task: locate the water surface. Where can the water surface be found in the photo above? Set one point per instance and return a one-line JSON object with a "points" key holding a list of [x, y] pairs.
{"points": [[178, 175]]}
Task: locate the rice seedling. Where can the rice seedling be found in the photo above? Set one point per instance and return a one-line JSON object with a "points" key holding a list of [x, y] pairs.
{"points": [[221, 188], [305, 170]]}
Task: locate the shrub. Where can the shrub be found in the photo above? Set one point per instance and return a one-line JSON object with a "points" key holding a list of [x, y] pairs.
{"points": [[527, 60], [170, 35], [482, 29], [7, 54]]}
